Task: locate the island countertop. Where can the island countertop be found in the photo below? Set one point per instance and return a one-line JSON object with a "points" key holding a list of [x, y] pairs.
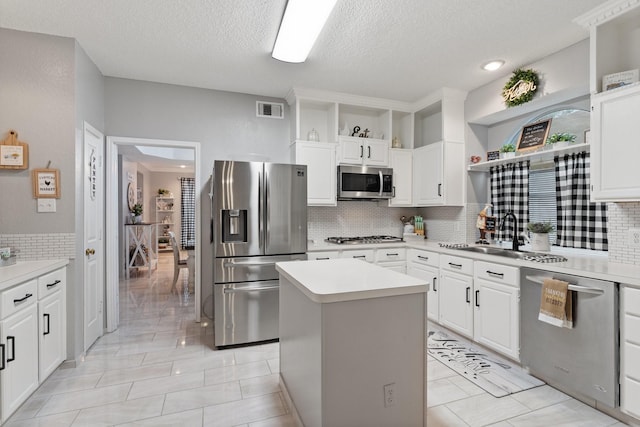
{"points": [[337, 280]]}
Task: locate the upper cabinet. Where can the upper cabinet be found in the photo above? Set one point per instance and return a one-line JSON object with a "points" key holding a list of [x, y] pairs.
{"points": [[438, 159], [366, 130], [614, 32]]}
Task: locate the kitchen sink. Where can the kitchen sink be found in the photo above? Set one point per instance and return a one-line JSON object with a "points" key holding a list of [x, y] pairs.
{"points": [[509, 253]]}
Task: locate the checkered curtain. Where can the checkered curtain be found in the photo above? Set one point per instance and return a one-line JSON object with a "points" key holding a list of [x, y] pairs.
{"points": [[581, 224], [188, 213], [510, 193]]}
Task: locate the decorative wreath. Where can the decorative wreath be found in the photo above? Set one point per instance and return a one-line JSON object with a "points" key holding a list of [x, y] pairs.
{"points": [[521, 87]]}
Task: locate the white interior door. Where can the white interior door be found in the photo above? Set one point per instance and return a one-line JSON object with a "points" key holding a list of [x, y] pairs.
{"points": [[93, 235]]}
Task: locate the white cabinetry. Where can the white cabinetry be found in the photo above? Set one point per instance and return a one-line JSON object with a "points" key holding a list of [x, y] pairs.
{"points": [[496, 317], [401, 161], [362, 254], [19, 344], [438, 174], [630, 351], [165, 220], [324, 255], [456, 288], [424, 265], [615, 175], [320, 159], [392, 258], [614, 33], [32, 331], [52, 333], [363, 151]]}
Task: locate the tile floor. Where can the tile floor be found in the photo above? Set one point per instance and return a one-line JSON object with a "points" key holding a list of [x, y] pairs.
{"points": [[158, 369]]}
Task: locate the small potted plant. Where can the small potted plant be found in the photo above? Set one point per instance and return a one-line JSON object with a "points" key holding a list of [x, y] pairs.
{"points": [[560, 140], [163, 192], [507, 151], [136, 210], [540, 235]]}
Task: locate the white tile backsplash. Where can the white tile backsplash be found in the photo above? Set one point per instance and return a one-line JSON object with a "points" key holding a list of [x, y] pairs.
{"points": [[33, 247], [622, 217], [356, 218], [445, 223]]}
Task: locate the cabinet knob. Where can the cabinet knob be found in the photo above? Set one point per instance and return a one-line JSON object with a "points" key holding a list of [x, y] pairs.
{"points": [[88, 252]]}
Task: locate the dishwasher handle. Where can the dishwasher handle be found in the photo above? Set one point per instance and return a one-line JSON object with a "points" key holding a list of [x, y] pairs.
{"points": [[572, 286]]}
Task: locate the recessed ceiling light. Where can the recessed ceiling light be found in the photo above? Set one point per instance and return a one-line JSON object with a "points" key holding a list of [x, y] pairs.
{"points": [[493, 65], [301, 24], [183, 166]]}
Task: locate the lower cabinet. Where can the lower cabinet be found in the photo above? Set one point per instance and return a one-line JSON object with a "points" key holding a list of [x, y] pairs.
{"points": [[19, 345], [32, 336], [456, 289], [496, 310], [424, 265], [392, 258], [630, 351]]}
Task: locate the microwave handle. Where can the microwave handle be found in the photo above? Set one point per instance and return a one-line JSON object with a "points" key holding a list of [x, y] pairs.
{"points": [[380, 175]]}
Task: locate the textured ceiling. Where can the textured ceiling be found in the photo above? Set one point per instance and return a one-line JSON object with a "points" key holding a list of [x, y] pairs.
{"points": [[397, 49]]}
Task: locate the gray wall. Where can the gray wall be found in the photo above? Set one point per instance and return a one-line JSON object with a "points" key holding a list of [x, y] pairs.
{"points": [[49, 87], [224, 123], [37, 85]]}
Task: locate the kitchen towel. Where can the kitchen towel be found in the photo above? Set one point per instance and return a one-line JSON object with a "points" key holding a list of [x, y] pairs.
{"points": [[555, 304]]}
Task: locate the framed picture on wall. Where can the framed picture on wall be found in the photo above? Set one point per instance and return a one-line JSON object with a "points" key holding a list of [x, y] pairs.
{"points": [[46, 183]]}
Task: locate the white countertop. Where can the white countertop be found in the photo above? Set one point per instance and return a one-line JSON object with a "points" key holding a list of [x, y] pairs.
{"points": [[593, 266], [339, 280], [22, 271]]}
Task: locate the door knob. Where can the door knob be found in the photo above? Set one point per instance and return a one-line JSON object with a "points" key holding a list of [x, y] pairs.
{"points": [[88, 252]]}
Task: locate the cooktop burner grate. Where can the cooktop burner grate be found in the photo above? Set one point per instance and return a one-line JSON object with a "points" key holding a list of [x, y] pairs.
{"points": [[363, 240]]}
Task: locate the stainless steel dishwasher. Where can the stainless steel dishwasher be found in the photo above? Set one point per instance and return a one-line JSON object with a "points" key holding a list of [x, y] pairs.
{"points": [[583, 359]]}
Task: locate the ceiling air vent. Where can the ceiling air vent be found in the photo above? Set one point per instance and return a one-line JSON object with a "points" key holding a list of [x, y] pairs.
{"points": [[272, 110]]}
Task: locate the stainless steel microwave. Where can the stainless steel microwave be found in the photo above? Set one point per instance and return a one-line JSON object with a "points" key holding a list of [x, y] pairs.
{"points": [[365, 183]]}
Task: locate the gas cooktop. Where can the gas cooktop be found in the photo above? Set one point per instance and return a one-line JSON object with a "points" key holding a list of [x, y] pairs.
{"points": [[362, 240]]}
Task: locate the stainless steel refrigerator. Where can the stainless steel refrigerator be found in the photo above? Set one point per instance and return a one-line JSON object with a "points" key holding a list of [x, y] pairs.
{"points": [[259, 217]]}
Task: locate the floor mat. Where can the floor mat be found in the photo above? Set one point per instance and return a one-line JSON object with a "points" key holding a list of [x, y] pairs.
{"points": [[495, 375]]}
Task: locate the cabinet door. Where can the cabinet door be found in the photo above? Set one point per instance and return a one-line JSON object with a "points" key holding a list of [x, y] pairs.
{"points": [[351, 150], [496, 317], [401, 161], [615, 175], [630, 350], [456, 310], [376, 153], [52, 334], [427, 175], [429, 274], [321, 172], [20, 377]]}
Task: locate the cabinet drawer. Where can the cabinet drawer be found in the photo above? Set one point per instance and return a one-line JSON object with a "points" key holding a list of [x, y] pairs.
{"points": [[364, 254], [631, 329], [631, 300], [630, 355], [391, 254], [18, 297], [323, 255], [51, 282], [497, 273], [423, 257], [457, 264]]}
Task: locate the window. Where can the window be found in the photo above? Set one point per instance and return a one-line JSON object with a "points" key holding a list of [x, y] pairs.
{"points": [[542, 198]]}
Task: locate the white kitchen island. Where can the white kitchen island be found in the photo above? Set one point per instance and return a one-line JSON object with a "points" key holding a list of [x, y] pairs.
{"points": [[348, 329]]}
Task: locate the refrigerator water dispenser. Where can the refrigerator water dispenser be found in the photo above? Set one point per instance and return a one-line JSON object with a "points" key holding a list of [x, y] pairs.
{"points": [[234, 225]]}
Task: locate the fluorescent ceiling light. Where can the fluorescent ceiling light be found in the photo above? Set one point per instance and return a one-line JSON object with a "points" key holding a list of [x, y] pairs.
{"points": [[493, 65], [301, 24]]}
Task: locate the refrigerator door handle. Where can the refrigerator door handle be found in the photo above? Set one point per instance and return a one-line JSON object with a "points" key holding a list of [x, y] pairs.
{"points": [[267, 204], [230, 264], [239, 290], [260, 213]]}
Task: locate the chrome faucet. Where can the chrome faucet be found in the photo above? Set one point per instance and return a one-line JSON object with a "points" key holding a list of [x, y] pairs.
{"points": [[514, 244]]}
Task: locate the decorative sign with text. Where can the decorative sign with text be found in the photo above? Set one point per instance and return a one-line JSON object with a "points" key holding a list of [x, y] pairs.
{"points": [[534, 136], [46, 183], [520, 88]]}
